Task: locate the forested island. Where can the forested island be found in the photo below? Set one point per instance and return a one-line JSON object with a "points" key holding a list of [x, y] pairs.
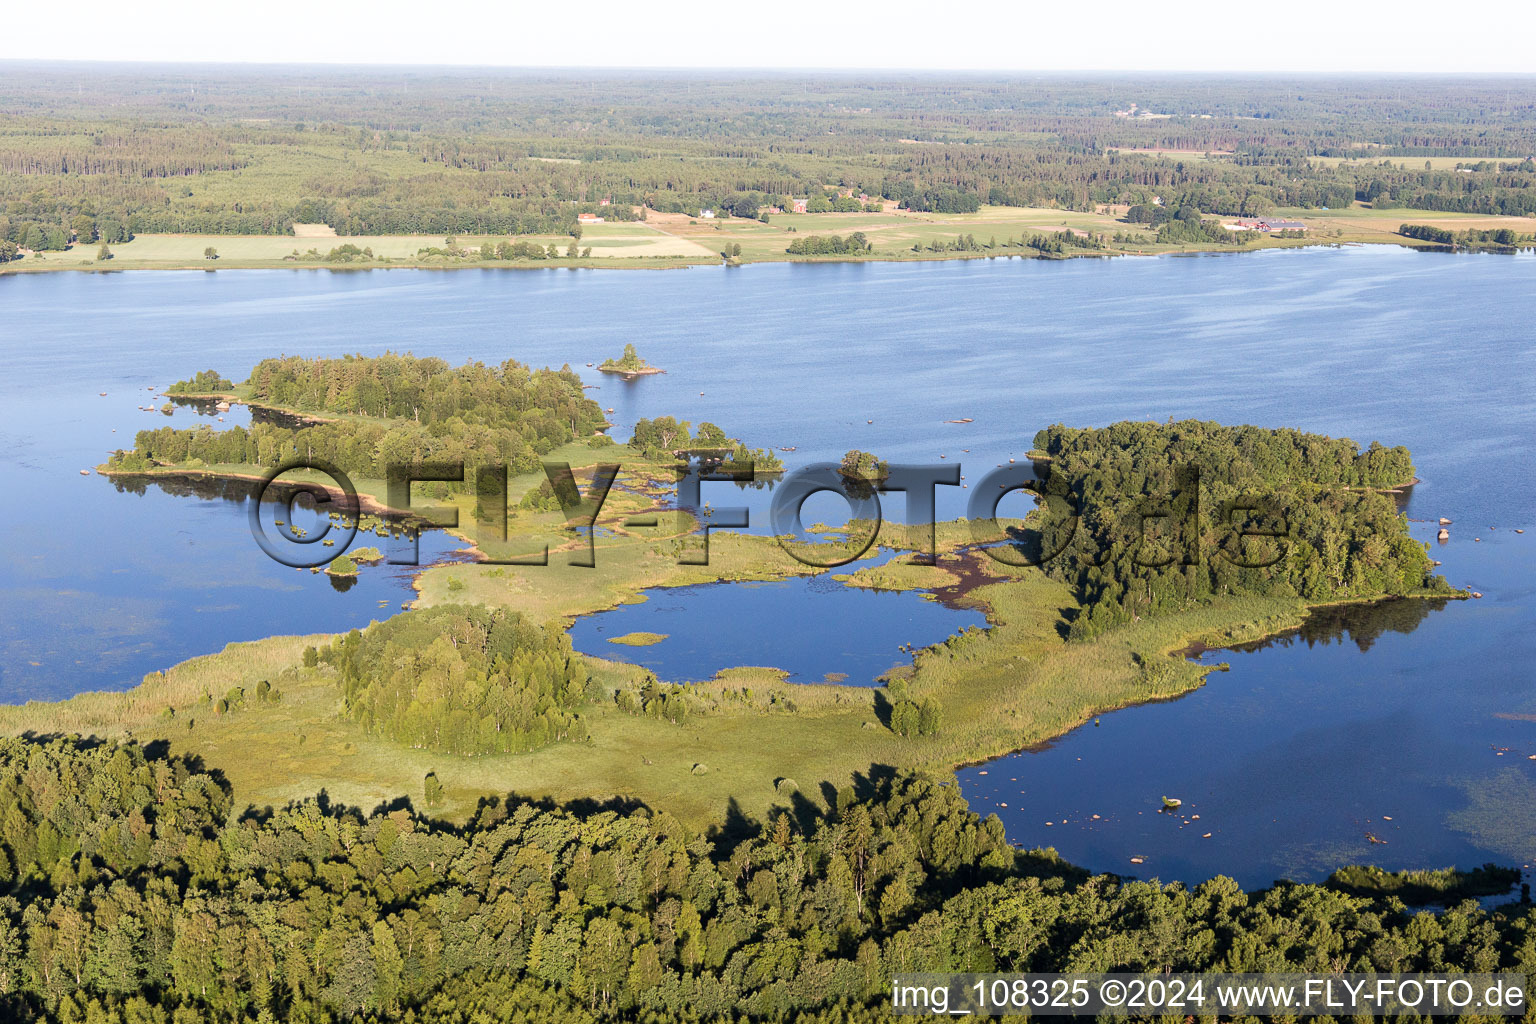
{"points": [[122, 168], [629, 364], [1344, 537], [365, 415]]}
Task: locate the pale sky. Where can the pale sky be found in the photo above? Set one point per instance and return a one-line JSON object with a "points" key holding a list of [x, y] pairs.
{"points": [[981, 35]]}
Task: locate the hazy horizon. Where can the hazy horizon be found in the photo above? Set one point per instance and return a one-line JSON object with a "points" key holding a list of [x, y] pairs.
{"points": [[1193, 35]]}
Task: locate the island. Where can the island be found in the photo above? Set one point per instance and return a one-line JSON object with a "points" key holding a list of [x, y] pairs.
{"points": [[342, 565], [639, 638], [629, 365]]}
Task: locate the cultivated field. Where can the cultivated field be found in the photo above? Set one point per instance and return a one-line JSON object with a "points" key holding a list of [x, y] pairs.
{"points": [[1361, 223], [607, 241]]}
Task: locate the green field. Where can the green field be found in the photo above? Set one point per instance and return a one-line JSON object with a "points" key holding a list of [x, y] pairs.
{"points": [[607, 241]]}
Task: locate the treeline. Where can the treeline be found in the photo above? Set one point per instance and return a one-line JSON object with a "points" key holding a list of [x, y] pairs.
{"points": [[830, 245], [364, 449], [133, 894], [665, 438], [1049, 243], [399, 410], [752, 204], [1193, 230], [525, 250], [522, 249], [910, 716], [1181, 225], [52, 228], [121, 154], [655, 699], [862, 465], [462, 680], [630, 361], [1134, 535], [934, 200], [440, 205], [204, 382], [1486, 187], [425, 390], [1473, 238]]}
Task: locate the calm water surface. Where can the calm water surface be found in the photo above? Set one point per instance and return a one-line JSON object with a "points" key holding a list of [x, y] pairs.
{"points": [[1290, 759], [839, 633]]}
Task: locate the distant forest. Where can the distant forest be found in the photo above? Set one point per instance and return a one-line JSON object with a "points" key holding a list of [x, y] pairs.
{"points": [[99, 154]]}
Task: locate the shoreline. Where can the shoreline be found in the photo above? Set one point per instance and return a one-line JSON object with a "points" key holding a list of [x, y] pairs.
{"points": [[366, 503], [194, 397], [689, 262], [645, 371], [1198, 647], [1185, 651]]}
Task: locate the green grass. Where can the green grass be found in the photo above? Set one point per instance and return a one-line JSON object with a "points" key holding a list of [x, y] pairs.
{"points": [[639, 638], [1360, 223], [1407, 163], [900, 575]]}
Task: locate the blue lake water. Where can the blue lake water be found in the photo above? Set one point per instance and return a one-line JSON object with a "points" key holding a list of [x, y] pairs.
{"points": [[812, 627], [1410, 722], [1294, 753], [106, 580]]}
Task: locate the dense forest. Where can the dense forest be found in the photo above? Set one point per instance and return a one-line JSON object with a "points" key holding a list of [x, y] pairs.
{"points": [[463, 680], [426, 390], [393, 410], [1145, 517], [101, 154], [134, 893]]}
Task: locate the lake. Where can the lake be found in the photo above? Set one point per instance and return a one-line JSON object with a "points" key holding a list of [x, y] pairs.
{"points": [[1290, 758], [1400, 735], [814, 628]]}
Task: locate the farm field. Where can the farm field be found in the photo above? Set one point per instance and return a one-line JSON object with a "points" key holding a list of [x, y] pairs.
{"points": [[607, 241], [1361, 223]]}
